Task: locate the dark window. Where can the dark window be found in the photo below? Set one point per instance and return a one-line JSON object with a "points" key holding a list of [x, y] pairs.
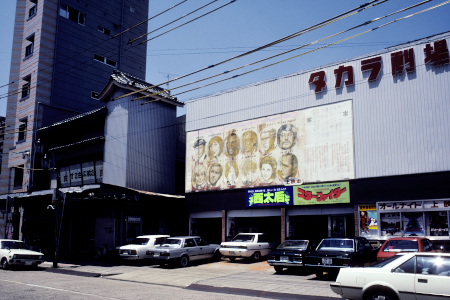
{"points": [[105, 60], [72, 14], [189, 243], [201, 242], [22, 134], [32, 11], [104, 30], [18, 176], [94, 95], [407, 267], [26, 86], [29, 49]]}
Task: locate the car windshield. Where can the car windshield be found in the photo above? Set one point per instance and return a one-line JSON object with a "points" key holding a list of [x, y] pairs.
{"points": [[175, 243], [294, 244], [13, 245], [140, 241], [243, 238], [336, 245], [401, 246]]}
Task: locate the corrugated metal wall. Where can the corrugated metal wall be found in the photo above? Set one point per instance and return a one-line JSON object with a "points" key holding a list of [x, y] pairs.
{"points": [[400, 122]]}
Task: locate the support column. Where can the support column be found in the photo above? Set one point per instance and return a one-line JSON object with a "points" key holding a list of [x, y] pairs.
{"points": [[283, 224], [224, 225]]}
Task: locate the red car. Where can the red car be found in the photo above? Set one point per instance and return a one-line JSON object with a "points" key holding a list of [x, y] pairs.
{"points": [[404, 244]]}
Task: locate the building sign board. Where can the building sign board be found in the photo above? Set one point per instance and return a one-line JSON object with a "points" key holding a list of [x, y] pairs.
{"points": [[80, 174], [402, 61], [277, 196], [310, 145], [325, 193]]}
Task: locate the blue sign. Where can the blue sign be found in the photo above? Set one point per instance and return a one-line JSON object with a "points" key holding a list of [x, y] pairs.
{"points": [[277, 196]]}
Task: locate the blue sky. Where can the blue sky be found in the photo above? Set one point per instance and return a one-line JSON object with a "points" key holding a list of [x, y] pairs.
{"points": [[247, 24]]}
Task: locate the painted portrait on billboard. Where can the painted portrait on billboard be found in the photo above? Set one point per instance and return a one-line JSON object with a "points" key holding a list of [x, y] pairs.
{"points": [[309, 145]]}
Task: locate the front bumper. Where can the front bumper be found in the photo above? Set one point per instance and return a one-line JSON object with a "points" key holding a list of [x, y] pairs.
{"points": [[25, 262]]}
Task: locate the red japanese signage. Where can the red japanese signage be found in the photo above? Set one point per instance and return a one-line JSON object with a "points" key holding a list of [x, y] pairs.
{"points": [[436, 54]]}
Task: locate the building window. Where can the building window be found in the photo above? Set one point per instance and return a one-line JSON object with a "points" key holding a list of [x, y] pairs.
{"points": [[18, 176], [22, 134], [94, 95], [104, 30], [26, 86], [72, 14], [105, 60], [32, 11], [29, 49]]}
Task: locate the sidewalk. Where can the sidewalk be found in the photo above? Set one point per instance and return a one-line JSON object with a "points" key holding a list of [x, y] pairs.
{"points": [[239, 277]]}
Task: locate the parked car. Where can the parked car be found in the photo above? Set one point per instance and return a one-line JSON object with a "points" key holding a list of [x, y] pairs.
{"points": [[423, 275], [248, 245], [136, 250], [16, 253], [290, 254], [404, 244], [333, 254], [182, 250]]}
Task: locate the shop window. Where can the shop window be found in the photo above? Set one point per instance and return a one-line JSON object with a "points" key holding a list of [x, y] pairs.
{"points": [[72, 14], [438, 221], [22, 134], [29, 49], [18, 176], [26, 86]]}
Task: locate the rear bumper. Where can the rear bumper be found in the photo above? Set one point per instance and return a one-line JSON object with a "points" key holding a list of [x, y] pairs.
{"points": [[285, 263]]}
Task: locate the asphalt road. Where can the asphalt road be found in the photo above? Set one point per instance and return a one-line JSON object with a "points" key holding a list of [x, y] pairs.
{"points": [[210, 280]]}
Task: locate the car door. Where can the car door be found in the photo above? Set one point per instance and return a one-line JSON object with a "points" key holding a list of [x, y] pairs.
{"points": [[433, 277], [205, 250], [191, 249]]}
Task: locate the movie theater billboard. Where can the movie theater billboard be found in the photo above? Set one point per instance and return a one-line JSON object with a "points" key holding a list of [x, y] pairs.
{"points": [[311, 145]]}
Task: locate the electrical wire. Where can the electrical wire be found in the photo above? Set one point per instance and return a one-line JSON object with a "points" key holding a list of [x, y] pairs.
{"points": [[291, 50], [314, 50], [339, 17], [148, 33]]}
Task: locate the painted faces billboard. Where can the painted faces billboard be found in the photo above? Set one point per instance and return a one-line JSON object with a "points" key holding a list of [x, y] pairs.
{"points": [[311, 145]]}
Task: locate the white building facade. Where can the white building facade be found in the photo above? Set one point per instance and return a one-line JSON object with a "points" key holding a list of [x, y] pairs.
{"points": [[359, 147]]}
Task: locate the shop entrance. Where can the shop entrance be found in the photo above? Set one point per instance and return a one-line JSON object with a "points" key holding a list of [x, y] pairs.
{"points": [[308, 227], [210, 229], [269, 225]]}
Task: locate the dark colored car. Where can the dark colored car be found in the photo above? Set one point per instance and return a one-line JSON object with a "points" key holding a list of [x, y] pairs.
{"points": [[404, 244], [290, 254], [335, 253]]}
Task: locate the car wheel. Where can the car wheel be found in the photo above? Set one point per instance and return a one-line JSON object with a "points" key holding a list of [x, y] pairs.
{"points": [[319, 274], [256, 256], [184, 261], [278, 269], [232, 258], [5, 264], [217, 256], [381, 294]]}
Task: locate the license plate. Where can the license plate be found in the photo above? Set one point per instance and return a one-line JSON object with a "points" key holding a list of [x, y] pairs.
{"points": [[327, 261], [156, 254], [232, 253], [284, 258], [125, 252]]}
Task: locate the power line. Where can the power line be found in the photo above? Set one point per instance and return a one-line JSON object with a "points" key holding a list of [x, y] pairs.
{"points": [[322, 47], [291, 50], [298, 33]]}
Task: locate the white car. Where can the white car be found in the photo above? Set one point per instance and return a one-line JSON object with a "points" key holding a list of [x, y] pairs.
{"points": [[247, 245], [15, 253], [182, 250], [424, 275], [137, 249]]}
